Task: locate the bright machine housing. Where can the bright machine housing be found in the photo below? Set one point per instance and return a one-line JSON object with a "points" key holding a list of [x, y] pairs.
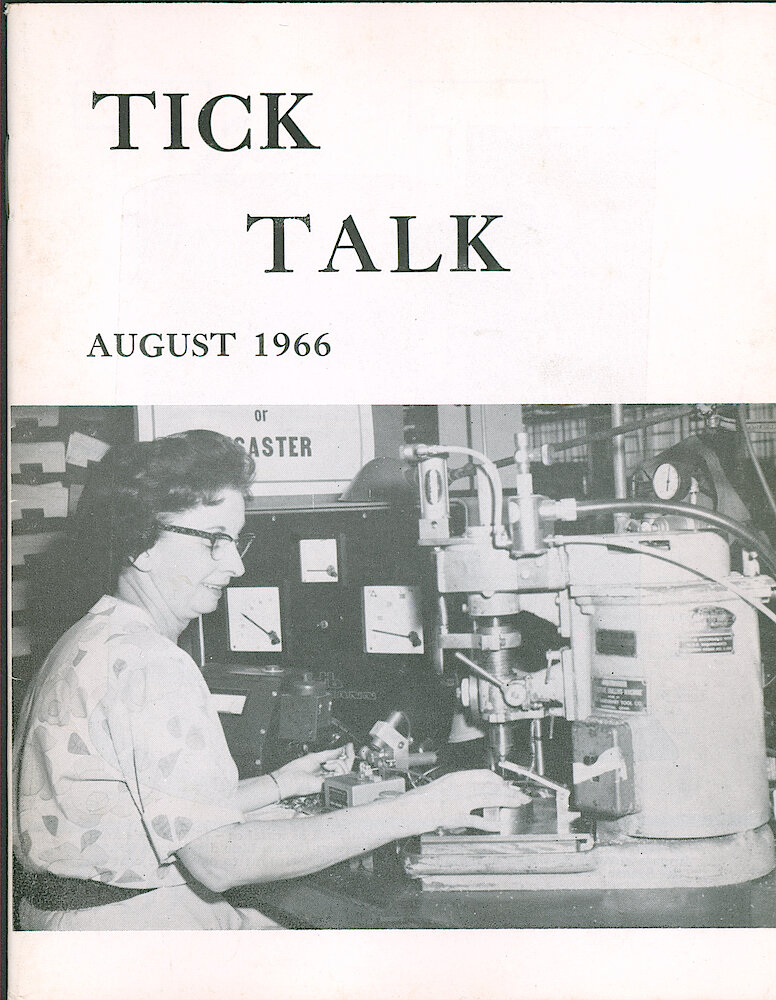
{"points": [[657, 678]]}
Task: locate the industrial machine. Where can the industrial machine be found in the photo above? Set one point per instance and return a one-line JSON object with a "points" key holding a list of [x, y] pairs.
{"points": [[607, 652], [640, 738]]}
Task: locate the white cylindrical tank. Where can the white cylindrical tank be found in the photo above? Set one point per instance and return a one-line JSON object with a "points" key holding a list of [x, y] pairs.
{"points": [[678, 658]]}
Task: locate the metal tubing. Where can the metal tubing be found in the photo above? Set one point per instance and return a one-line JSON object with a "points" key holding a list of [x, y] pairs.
{"points": [[685, 510], [618, 467], [618, 454], [537, 746]]}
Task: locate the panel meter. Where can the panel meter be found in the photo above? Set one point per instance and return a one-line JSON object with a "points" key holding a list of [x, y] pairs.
{"points": [[253, 614], [393, 621], [318, 560], [668, 482]]}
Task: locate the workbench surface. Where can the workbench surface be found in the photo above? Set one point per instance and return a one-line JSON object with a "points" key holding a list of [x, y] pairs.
{"points": [[345, 898]]}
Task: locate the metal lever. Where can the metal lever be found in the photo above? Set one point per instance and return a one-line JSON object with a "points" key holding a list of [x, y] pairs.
{"points": [[513, 700], [562, 794]]}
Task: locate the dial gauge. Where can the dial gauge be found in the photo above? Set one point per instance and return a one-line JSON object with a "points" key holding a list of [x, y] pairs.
{"points": [[666, 481], [318, 560], [393, 621], [253, 615]]}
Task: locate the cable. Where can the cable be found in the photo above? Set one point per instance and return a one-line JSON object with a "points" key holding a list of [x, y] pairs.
{"points": [[424, 779], [741, 409], [490, 470], [727, 524], [610, 432], [640, 550]]}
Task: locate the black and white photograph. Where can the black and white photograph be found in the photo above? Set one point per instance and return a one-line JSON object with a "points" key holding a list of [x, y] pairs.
{"points": [[374, 571], [463, 690]]}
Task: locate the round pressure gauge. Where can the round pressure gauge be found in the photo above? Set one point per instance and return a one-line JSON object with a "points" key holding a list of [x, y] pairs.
{"points": [[667, 482]]}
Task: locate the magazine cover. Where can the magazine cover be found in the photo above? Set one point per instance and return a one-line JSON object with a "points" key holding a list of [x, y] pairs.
{"points": [[388, 614]]}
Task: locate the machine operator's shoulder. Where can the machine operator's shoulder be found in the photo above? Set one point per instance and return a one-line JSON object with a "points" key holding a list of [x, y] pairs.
{"points": [[166, 668], [143, 671], [115, 635], [108, 627], [111, 618]]}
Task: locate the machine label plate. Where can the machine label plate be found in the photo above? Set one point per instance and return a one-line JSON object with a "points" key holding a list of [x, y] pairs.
{"points": [[619, 694], [710, 631], [712, 642], [615, 642]]}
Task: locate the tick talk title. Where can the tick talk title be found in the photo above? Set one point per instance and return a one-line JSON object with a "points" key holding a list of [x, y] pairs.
{"points": [[236, 131], [229, 123]]}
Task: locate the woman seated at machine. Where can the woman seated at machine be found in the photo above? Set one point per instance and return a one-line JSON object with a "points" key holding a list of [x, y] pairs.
{"points": [[128, 811]]}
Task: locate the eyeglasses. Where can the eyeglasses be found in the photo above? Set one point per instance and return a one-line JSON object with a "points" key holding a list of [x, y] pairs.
{"points": [[219, 540]]}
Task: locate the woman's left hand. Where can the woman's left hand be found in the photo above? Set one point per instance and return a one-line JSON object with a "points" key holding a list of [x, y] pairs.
{"points": [[304, 776]]}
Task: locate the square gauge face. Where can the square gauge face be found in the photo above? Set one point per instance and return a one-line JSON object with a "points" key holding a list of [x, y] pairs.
{"points": [[318, 560], [393, 621], [253, 615]]}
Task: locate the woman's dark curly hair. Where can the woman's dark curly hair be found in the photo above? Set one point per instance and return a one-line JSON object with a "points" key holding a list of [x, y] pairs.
{"points": [[118, 513]]}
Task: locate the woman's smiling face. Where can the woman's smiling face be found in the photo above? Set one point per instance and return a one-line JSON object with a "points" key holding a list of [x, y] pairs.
{"points": [[188, 578]]}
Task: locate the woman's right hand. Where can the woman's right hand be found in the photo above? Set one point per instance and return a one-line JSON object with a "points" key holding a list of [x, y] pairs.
{"points": [[448, 801]]}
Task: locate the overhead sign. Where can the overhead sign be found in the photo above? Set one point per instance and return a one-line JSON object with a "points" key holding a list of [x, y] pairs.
{"points": [[297, 449]]}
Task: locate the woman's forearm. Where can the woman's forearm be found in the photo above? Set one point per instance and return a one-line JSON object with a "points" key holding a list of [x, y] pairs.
{"points": [[303, 776], [255, 793], [265, 850], [268, 850]]}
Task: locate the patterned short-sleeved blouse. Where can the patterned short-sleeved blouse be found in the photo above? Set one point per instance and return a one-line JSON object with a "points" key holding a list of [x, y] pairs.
{"points": [[120, 757]]}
